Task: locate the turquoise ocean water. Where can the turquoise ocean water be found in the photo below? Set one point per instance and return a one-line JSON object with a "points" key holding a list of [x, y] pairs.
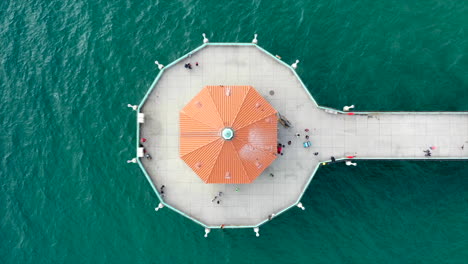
{"points": [[69, 68]]}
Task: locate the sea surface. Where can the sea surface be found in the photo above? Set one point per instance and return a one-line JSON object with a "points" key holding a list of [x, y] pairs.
{"points": [[69, 68]]}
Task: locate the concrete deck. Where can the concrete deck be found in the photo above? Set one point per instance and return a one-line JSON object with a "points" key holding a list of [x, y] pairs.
{"points": [[367, 135]]}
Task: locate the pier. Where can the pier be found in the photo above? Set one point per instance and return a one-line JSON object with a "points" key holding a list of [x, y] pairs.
{"points": [[332, 133]]}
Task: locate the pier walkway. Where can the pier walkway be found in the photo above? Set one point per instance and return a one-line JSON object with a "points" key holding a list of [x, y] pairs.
{"points": [[376, 135]]}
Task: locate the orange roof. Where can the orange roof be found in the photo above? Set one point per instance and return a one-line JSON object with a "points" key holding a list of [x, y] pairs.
{"points": [[228, 134]]}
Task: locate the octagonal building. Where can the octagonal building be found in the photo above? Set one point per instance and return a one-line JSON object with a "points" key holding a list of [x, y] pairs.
{"points": [[228, 134]]}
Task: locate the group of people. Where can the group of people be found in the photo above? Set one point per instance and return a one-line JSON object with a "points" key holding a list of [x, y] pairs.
{"points": [[189, 65], [306, 136], [280, 146], [147, 155], [279, 149], [428, 151], [217, 198]]}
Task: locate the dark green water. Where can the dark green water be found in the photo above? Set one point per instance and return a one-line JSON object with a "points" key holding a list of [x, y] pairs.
{"points": [[69, 68]]}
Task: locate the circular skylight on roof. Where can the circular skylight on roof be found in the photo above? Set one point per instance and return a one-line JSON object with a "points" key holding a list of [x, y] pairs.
{"points": [[227, 133]]}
